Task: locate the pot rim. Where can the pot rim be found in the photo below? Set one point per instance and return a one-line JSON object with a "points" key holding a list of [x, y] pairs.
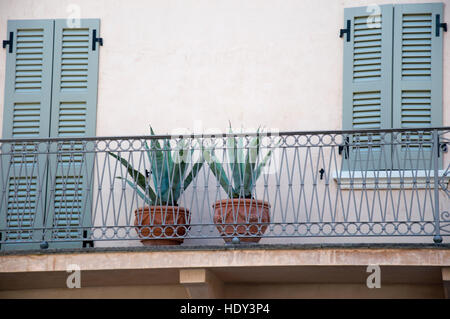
{"points": [[145, 208], [253, 202]]}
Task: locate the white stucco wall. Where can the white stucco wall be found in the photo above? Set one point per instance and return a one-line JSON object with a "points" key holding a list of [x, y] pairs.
{"points": [[199, 63]]}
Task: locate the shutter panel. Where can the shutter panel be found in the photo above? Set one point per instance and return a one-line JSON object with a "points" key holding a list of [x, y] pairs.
{"points": [[367, 85], [26, 115], [74, 109], [417, 80]]}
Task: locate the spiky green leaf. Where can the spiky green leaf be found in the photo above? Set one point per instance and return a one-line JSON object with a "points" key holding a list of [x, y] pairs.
{"points": [[135, 174], [149, 200]]}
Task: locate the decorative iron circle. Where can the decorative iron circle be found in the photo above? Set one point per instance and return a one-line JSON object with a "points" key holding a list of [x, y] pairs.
{"points": [[340, 229], [352, 228], [303, 230], [416, 228], [314, 140], [124, 145], [327, 139], [327, 229], [403, 228], [390, 229], [365, 229], [377, 229], [101, 146]]}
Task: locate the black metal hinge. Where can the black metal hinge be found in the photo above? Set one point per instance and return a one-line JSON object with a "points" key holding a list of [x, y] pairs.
{"points": [[442, 147], [9, 42], [87, 243], [440, 25], [95, 40], [347, 31], [344, 148]]}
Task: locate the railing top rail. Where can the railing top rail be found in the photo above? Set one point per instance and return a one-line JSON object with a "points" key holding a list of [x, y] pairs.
{"points": [[223, 135]]}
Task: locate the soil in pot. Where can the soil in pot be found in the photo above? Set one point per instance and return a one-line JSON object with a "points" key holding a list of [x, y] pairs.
{"points": [[162, 225], [241, 217]]}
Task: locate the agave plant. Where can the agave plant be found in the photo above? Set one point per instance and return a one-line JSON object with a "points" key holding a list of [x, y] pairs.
{"points": [[245, 165], [169, 173]]}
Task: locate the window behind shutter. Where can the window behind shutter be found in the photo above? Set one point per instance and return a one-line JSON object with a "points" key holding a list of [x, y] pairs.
{"points": [[417, 79], [74, 109], [26, 115], [367, 85]]}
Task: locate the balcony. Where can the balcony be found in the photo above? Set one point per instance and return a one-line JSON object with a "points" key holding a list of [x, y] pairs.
{"points": [[365, 186]]}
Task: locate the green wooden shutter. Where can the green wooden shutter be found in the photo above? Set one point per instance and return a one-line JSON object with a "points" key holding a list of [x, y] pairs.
{"points": [[26, 115], [367, 93], [417, 79], [74, 109]]}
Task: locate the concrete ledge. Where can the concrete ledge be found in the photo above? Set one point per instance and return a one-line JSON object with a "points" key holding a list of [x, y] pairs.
{"points": [[226, 247], [177, 259], [208, 273]]}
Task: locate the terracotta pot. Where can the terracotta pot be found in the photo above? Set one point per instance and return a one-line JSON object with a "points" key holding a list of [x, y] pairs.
{"points": [[176, 224], [244, 217]]}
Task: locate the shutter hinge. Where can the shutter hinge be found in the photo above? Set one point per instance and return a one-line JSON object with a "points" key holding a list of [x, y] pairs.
{"points": [[442, 147], [344, 148], [86, 241], [440, 25], [347, 30], [95, 39], [9, 42]]}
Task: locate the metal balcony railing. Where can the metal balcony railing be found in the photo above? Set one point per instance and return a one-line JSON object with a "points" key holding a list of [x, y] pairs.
{"points": [[356, 186]]}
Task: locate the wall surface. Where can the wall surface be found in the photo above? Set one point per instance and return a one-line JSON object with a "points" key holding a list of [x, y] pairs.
{"points": [[286, 291], [197, 64]]}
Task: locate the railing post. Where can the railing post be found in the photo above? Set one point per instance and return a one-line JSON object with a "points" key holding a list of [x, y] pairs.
{"points": [[437, 237]]}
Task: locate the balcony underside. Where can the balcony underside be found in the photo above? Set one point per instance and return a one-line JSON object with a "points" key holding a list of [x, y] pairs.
{"points": [[257, 271]]}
